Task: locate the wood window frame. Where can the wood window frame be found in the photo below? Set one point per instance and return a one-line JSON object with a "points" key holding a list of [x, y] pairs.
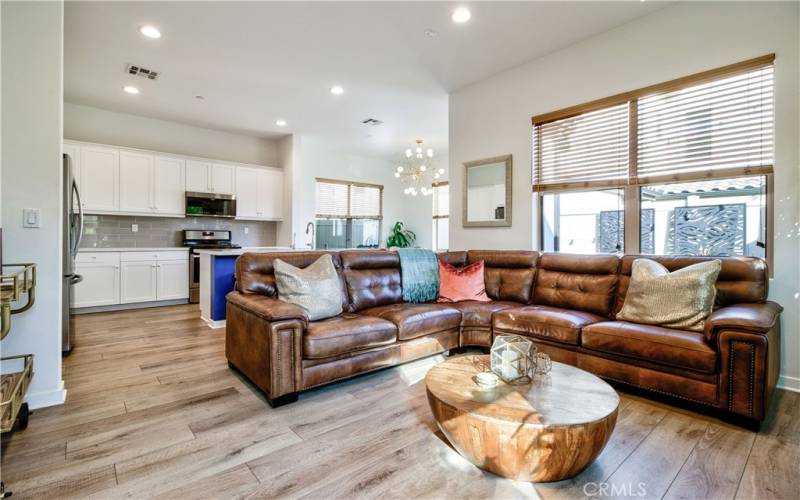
{"points": [[632, 189]]}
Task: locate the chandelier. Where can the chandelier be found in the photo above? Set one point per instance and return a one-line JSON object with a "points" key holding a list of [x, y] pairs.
{"points": [[417, 172]]}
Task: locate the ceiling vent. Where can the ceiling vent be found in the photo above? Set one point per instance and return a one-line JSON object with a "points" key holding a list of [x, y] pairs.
{"points": [[372, 122], [140, 71]]}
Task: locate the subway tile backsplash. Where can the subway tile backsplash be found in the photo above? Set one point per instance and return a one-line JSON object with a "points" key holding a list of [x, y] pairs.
{"points": [[110, 231]]}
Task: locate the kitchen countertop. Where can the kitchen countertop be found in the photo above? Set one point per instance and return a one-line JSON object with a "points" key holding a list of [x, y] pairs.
{"points": [[240, 251], [132, 249]]}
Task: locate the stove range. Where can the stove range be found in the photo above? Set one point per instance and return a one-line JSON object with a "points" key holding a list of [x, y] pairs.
{"points": [[207, 240]]}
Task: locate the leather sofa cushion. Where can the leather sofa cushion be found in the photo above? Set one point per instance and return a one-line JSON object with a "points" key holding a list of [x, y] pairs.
{"points": [[345, 334], [676, 348], [509, 274], [372, 278], [476, 314], [545, 322], [417, 320], [579, 282]]}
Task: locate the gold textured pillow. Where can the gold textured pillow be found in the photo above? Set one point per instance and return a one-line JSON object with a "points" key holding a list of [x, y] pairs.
{"points": [[682, 299], [316, 288]]}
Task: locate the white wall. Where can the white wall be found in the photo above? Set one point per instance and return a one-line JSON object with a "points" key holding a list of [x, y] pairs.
{"points": [[32, 69], [312, 159], [493, 117], [85, 123]]}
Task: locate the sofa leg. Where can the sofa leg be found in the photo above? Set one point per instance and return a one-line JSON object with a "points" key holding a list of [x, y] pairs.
{"points": [[282, 400]]}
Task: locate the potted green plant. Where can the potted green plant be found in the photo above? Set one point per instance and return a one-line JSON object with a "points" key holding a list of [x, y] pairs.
{"points": [[400, 237]]}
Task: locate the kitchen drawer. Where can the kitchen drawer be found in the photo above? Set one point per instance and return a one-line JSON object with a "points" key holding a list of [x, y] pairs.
{"points": [[97, 258], [154, 255], [173, 255]]}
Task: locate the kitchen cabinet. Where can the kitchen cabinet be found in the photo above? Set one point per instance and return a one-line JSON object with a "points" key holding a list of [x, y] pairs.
{"points": [[138, 281], [172, 277], [131, 277], [169, 191], [207, 177], [223, 179], [100, 285], [259, 193], [198, 176], [99, 179], [136, 182]]}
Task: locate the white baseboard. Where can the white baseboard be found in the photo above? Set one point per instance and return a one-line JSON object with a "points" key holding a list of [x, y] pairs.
{"points": [[47, 398], [789, 383], [214, 324]]}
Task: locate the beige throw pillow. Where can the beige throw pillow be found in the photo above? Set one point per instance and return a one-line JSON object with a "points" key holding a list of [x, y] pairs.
{"points": [[316, 288], [682, 299]]}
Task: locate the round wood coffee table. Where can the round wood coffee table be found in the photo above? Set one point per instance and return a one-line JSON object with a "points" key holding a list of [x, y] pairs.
{"points": [[548, 430]]}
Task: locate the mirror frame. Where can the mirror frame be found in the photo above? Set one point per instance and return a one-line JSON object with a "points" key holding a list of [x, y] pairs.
{"points": [[506, 222]]}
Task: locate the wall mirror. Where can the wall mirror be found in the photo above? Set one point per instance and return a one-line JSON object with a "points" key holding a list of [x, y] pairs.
{"points": [[487, 192]]}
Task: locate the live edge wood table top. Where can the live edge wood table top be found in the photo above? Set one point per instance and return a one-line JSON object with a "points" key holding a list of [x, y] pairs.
{"points": [[548, 430]]}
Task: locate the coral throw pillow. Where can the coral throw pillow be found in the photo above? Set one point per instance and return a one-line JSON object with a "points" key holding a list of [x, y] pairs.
{"points": [[466, 283]]}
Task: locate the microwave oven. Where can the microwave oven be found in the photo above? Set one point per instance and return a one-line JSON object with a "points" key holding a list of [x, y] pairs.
{"points": [[210, 205]]}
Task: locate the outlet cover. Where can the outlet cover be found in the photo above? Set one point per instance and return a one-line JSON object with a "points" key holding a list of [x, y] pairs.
{"points": [[246, 230], [134, 228]]}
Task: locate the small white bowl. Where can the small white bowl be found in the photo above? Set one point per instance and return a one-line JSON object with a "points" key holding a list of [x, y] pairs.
{"points": [[487, 379]]}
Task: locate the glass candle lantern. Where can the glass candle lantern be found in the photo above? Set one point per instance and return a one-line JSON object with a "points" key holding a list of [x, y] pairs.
{"points": [[512, 358]]}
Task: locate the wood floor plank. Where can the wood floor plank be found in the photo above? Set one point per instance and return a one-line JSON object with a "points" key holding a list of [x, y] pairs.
{"points": [[653, 465], [772, 468]]}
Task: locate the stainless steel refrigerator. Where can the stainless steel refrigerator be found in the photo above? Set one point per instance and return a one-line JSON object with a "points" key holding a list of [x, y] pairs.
{"points": [[72, 232]]}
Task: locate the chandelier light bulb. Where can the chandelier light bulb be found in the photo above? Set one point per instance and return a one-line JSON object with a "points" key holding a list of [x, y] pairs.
{"points": [[435, 176], [408, 153], [419, 149], [422, 168], [430, 153], [399, 169], [397, 174], [441, 171]]}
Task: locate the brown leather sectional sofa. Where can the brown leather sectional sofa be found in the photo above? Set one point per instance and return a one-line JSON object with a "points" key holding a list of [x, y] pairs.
{"points": [[565, 303]]}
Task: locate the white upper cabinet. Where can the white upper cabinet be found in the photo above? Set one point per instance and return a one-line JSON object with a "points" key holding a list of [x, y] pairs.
{"points": [[259, 193], [136, 181], [198, 176], [270, 189], [99, 178], [223, 179], [247, 192], [169, 192]]}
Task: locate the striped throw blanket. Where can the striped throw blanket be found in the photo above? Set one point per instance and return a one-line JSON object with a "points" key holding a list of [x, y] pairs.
{"points": [[419, 270]]}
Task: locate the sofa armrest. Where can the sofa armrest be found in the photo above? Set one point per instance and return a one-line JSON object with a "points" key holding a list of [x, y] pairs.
{"points": [[268, 308], [753, 317]]}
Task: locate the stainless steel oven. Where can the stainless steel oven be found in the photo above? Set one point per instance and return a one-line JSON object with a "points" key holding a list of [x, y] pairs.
{"points": [[197, 239]]}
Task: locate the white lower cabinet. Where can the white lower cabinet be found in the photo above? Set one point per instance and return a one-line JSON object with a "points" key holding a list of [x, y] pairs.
{"points": [[100, 284], [113, 278], [138, 281], [172, 277]]}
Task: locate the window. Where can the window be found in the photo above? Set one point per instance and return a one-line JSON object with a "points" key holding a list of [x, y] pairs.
{"points": [[677, 168], [441, 216], [349, 214]]}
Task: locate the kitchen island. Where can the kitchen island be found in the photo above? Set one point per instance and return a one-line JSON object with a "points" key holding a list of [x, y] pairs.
{"points": [[217, 269]]}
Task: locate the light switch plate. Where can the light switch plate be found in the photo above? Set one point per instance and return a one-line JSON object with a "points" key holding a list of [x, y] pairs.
{"points": [[31, 217], [246, 230], [134, 228]]}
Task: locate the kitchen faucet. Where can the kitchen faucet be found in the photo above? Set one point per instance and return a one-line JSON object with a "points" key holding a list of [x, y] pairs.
{"points": [[310, 228]]}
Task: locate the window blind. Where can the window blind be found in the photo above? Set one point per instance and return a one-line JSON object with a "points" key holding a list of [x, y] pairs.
{"points": [[583, 151], [720, 128], [365, 201], [348, 200], [441, 200], [332, 199]]}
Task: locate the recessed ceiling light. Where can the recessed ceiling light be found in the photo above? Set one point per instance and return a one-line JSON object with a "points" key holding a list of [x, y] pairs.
{"points": [[130, 89], [461, 15], [280, 123], [337, 90], [150, 31], [431, 33]]}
